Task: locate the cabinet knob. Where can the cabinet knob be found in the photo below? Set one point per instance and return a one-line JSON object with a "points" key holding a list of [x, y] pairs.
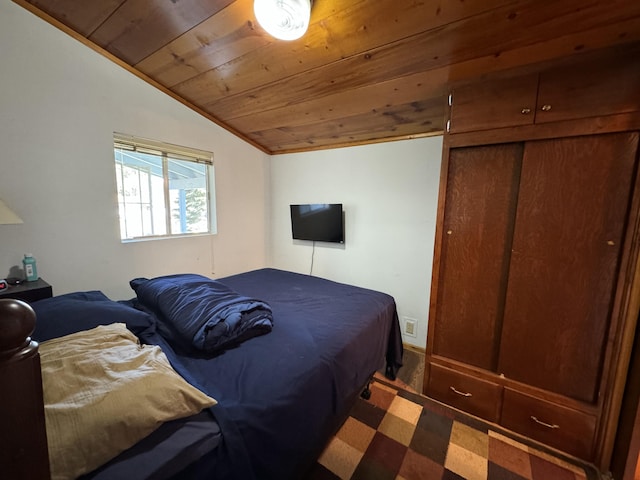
{"points": [[546, 108], [611, 243], [449, 232], [525, 111]]}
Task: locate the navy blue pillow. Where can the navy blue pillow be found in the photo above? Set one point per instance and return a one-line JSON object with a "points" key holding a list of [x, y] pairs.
{"points": [[65, 314]]}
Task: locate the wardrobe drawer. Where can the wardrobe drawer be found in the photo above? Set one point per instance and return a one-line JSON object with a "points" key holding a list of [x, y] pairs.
{"points": [[560, 427], [471, 394]]}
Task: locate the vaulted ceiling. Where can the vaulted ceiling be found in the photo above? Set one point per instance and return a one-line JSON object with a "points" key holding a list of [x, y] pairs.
{"points": [[366, 70]]}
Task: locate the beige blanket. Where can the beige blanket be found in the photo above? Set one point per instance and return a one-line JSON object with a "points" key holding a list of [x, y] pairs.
{"points": [[104, 392]]}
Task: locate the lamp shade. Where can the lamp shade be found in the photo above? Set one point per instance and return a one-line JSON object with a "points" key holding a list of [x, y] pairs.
{"points": [[283, 19], [7, 217]]}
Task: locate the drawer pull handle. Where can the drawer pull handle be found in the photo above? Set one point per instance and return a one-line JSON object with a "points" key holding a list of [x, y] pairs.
{"points": [[544, 424], [458, 392]]}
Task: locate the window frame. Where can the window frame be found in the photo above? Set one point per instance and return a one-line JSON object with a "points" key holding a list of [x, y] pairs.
{"points": [[166, 152]]}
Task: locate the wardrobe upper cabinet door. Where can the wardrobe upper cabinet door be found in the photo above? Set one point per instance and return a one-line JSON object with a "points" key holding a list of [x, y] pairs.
{"points": [[572, 206], [581, 91], [479, 207], [494, 104]]}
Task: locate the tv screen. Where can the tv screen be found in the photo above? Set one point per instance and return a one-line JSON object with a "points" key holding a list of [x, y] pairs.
{"points": [[320, 222]]}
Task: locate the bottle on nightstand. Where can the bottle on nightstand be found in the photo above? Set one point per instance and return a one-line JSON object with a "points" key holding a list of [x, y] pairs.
{"points": [[30, 270]]}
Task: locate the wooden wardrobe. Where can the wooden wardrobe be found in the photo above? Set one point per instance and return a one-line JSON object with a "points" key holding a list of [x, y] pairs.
{"points": [[535, 291]]}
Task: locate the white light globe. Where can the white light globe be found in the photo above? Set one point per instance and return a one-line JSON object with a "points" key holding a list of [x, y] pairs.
{"points": [[283, 19]]}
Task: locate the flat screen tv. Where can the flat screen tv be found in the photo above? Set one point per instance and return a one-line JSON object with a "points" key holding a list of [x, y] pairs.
{"points": [[320, 222]]}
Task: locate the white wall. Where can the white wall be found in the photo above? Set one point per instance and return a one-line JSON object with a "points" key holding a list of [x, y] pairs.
{"points": [[389, 194], [60, 103]]}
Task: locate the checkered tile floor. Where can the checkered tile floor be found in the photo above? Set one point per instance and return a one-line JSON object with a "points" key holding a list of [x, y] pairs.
{"points": [[399, 435]]}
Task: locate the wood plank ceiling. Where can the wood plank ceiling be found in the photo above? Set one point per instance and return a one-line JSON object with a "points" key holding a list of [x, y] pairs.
{"points": [[366, 70]]}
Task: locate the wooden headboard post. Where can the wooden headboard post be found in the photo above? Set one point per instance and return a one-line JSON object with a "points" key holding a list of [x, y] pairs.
{"points": [[23, 436]]}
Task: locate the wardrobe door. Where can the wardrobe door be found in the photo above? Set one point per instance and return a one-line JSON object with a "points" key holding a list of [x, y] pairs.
{"points": [[494, 104], [572, 206], [477, 228]]}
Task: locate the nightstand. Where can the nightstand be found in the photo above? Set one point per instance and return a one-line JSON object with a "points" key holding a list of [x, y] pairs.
{"points": [[28, 291]]}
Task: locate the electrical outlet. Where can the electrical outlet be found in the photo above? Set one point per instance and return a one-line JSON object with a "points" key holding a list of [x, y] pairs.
{"points": [[410, 326]]}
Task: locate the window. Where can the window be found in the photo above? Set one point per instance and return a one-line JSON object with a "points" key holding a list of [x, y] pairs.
{"points": [[163, 190]]}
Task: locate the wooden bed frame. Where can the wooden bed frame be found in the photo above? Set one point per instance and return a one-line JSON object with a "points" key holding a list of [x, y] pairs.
{"points": [[23, 443]]}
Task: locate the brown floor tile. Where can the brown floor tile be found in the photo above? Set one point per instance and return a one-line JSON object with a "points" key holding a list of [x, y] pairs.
{"points": [[340, 458], [381, 396], [438, 424], [356, 434], [466, 463], [369, 469], [368, 413], [449, 475], [405, 409], [496, 472], [419, 467], [470, 438], [430, 444], [542, 469], [386, 451], [397, 428], [509, 457]]}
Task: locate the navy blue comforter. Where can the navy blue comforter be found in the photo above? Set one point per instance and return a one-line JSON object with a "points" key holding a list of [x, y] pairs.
{"points": [[203, 314]]}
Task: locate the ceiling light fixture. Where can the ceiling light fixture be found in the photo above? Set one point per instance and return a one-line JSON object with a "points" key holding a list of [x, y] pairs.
{"points": [[283, 19]]}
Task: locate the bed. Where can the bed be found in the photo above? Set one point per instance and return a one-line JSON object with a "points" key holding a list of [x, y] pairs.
{"points": [[281, 387]]}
